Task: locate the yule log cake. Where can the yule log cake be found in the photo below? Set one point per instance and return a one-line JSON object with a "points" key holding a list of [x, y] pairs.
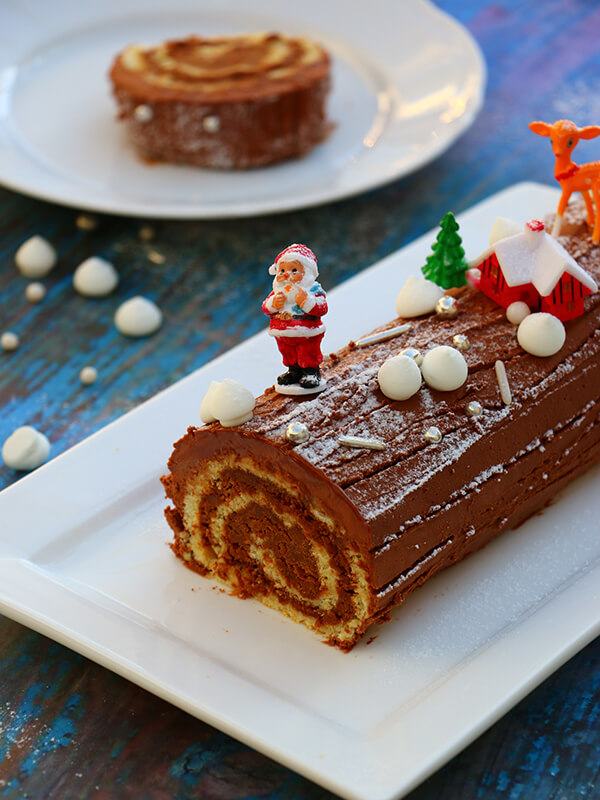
{"points": [[335, 537]]}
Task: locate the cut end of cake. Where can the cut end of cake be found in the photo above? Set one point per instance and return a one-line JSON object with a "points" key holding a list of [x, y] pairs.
{"points": [[243, 518]]}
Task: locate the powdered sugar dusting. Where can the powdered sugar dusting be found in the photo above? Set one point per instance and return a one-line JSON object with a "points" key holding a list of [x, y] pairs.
{"points": [[403, 577], [379, 483]]}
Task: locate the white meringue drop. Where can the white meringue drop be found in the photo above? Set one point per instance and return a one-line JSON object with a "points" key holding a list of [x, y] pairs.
{"points": [[25, 449], [541, 334], [35, 257], [418, 296], [95, 277], [232, 403], [206, 415], [138, 317]]}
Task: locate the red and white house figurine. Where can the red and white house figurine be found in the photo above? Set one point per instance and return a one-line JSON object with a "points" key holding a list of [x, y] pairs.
{"points": [[532, 267]]}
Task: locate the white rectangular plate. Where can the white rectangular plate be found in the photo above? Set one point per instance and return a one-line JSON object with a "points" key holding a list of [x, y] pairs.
{"points": [[84, 559]]}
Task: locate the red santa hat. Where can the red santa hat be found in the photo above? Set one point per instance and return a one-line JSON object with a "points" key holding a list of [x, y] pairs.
{"points": [[297, 252]]}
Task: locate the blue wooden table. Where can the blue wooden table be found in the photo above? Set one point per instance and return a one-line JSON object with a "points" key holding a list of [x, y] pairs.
{"points": [[71, 729]]}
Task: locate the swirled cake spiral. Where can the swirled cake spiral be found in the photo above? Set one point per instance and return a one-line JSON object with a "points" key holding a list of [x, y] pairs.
{"points": [[227, 102]]}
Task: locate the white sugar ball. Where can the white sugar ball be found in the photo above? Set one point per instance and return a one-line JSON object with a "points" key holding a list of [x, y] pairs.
{"points": [[418, 296], [9, 340], [35, 292], [541, 334], [138, 317], [35, 258], [232, 404], [206, 414], [444, 368], [88, 375], [25, 449], [517, 311], [95, 277], [87, 222], [399, 377]]}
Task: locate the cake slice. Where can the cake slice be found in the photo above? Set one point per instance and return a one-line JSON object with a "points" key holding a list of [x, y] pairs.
{"points": [[227, 102], [335, 537]]}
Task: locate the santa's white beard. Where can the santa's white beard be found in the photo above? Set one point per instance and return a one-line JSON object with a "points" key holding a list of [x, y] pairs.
{"points": [[290, 296]]}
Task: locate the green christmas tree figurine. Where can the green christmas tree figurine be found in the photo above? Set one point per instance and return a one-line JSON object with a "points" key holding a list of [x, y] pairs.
{"points": [[446, 266]]}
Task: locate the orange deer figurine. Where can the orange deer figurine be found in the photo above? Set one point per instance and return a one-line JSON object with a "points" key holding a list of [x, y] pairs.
{"points": [[584, 178]]}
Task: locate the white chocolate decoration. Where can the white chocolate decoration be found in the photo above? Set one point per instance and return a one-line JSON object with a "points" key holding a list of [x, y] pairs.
{"points": [[95, 277], [444, 368], [35, 258], [35, 292], [517, 311], [88, 375], [541, 334], [503, 384], [229, 402], [9, 340], [358, 442], [418, 296], [25, 449], [399, 377], [382, 336], [206, 414], [138, 317]]}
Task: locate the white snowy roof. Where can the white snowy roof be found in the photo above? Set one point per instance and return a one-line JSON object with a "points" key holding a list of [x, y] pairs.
{"points": [[533, 256]]}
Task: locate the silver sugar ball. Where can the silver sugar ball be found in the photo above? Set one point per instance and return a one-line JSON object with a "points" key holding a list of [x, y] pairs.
{"points": [[433, 435], [296, 433], [143, 113], [211, 124], [446, 307], [413, 353], [474, 409], [461, 342]]}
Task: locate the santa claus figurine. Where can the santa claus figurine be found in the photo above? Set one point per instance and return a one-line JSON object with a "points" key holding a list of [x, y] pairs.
{"points": [[295, 307]]}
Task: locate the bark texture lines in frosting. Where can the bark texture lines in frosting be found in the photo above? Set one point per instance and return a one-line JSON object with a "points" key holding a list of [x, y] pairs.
{"points": [[374, 525]]}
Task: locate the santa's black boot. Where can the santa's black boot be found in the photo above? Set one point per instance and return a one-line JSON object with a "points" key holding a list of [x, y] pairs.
{"points": [[293, 375], [310, 378]]}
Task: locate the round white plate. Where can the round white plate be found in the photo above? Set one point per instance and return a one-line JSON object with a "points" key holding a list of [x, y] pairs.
{"points": [[407, 81]]}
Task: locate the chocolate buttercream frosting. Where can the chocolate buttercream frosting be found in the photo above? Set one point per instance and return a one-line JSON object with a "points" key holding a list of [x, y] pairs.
{"points": [[335, 537]]}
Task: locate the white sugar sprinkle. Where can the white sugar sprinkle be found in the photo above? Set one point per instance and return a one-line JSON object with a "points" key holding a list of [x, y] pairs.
{"points": [[88, 375], [9, 341], [35, 292]]}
